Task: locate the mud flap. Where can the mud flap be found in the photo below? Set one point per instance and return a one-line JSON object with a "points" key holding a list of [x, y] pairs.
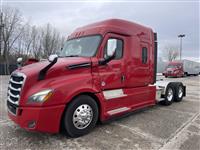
{"points": [[184, 90]]}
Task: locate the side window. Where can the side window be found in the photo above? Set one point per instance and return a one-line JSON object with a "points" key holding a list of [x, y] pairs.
{"points": [[119, 49], [144, 55]]}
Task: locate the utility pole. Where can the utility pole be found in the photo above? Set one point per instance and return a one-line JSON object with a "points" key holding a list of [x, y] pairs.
{"points": [[181, 36], [1, 31]]}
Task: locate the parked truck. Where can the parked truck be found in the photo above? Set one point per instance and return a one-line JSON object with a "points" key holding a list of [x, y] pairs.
{"points": [[182, 68], [105, 70]]}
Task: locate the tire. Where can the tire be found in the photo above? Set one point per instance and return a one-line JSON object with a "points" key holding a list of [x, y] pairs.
{"points": [[185, 74], [166, 76], [179, 91], [169, 95], [73, 121]]}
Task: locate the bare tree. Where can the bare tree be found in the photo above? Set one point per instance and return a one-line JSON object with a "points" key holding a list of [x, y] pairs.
{"points": [[25, 40], [1, 31], [27, 35], [11, 32], [36, 46], [62, 42], [50, 40], [171, 52]]}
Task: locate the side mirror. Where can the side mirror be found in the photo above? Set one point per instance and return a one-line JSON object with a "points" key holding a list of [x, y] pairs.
{"points": [[111, 47], [111, 50], [53, 57], [19, 62]]}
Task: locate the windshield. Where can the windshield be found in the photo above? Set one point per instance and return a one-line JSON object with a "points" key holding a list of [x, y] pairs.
{"points": [[172, 66], [83, 47]]}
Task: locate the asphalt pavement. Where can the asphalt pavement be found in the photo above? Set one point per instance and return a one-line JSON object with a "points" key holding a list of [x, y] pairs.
{"points": [[159, 127]]}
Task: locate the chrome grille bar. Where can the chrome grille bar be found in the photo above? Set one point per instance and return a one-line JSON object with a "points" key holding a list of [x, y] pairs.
{"points": [[16, 103], [14, 89], [15, 96], [16, 82]]}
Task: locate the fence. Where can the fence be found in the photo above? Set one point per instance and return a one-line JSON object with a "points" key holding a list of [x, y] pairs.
{"points": [[11, 67]]}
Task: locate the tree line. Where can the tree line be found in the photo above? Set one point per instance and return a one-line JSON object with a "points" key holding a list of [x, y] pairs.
{"points": [[19, 38]]}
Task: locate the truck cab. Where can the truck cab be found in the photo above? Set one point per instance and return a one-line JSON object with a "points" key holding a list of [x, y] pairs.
{"points": [[174, 69], [104, 70]]}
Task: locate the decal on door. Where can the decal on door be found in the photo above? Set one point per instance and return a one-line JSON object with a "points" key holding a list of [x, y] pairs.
{"points": [[110, 94]]}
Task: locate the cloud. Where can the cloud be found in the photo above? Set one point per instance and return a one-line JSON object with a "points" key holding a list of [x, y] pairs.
{"points": [[168, 19]]}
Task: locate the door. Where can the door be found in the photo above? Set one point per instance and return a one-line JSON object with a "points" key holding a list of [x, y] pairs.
{"points": [[112, 73], [112, 76]]}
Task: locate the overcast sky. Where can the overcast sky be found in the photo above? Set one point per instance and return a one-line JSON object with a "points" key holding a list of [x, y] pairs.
{"points": [[166, 18]]}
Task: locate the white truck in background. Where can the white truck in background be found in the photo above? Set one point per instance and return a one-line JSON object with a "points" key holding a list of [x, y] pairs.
{"points": [[182, 68]]}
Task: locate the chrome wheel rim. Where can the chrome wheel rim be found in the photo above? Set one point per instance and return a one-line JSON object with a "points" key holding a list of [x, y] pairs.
{"points": [[82, 116], [170, 94], [180, 92]]}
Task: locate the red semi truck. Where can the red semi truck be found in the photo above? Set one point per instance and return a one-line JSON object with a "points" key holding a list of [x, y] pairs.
{"points": [[181, 68], [105, 70]]}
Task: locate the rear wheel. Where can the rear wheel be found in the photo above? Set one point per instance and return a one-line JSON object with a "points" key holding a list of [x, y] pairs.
{"points": [[179, 92], [185, 74], [169, 95], [81, 116]]}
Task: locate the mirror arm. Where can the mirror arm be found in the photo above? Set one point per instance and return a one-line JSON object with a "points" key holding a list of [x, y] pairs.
{"points": [[19, 65], [43, 72], [102, 62], [105, 61]]}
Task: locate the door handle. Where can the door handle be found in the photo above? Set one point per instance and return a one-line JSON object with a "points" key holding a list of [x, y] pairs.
{"points": [[122, 78]]}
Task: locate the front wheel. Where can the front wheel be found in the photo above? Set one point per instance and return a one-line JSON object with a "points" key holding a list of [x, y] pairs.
{"points": [[81, 116]]}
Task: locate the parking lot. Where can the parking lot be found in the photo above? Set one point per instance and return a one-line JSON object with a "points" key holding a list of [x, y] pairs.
{"points": [[158, 127]]}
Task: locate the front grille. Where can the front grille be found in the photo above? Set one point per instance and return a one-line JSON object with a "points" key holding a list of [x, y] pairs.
{"points": [[12, 108], [169, 71], [16, 83]]}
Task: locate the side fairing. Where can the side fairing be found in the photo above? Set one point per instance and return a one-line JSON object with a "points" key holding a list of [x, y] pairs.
{"points": [[162, 85]]}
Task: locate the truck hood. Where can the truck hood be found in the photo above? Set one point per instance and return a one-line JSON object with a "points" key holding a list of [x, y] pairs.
{"points": [[172, 69], [62, 71], [61, 66]]}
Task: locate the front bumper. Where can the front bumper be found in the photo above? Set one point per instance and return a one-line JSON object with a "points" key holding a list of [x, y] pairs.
{"points": [[171, 74], [43, 119]]}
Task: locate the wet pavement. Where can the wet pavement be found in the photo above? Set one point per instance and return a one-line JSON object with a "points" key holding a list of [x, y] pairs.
{"points": [[159, 127]]}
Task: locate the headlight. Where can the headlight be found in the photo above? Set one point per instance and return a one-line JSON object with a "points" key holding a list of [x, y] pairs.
{"points": [[41, 96]]}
